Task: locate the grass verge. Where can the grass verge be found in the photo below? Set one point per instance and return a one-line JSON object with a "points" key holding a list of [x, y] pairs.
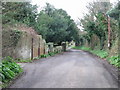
{"points": [[114, 60]]}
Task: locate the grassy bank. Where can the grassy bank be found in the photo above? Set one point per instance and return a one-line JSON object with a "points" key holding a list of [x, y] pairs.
{"points": [[114, 60]]}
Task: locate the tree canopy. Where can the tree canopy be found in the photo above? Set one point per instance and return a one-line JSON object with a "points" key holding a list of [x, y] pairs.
{"points": [[115, 12], [19, 12], [55, 25]]}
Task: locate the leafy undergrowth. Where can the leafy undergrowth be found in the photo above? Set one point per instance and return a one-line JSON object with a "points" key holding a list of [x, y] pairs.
{"points": [[100, 53], [18, 60], [114, 60], [9, 69], [46, 55], [49, 54], [23, 61]]}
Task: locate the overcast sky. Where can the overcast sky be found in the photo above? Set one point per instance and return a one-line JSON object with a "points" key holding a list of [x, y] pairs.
{"points": [[75, 8]]}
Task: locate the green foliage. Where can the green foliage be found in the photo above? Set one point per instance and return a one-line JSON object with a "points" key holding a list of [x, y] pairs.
{"points": [[22, 61], [55, 52], [24, 12], [55, 25], [8, 70], [44, 56], [97, 27], [100, 53], [115, 12], [51, 53], [114, 60]]}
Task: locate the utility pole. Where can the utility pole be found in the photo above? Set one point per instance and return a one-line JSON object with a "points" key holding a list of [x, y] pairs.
{"points": [[109, 32]]}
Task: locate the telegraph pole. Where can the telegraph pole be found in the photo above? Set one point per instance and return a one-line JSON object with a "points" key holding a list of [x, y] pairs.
{"points": [[109, 31]]}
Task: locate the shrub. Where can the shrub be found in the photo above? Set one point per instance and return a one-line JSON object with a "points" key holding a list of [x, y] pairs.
{"points": [[114, 60], [9, 69], [100, 53], [51, 53], [44, 56]]}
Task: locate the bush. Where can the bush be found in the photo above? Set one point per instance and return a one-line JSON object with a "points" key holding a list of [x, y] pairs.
{"points": [[9, 69], [100, 53], [51, 53], [44, 56], [114, 60]]}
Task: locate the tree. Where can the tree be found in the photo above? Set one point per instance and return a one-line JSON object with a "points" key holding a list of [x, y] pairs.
{"points": [[56, 25], [19, 11], [115, 12], [95, 23]]}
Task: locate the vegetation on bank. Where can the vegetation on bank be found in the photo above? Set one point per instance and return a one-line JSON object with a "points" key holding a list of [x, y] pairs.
{"points": [[114, 60], [100, 25], [9, 69], [46, 55], [23, 61], [100, 34], [18, 60]]}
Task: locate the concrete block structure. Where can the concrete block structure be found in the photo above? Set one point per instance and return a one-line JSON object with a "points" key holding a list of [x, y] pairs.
{"points": [[50, 46], [21, 44]]}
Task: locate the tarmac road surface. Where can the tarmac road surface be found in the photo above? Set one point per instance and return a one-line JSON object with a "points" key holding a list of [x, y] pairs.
{"points": [[71, 69]]}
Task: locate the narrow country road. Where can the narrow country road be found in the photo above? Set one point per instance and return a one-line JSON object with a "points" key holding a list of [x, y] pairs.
{"points": [[72, 69]]}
